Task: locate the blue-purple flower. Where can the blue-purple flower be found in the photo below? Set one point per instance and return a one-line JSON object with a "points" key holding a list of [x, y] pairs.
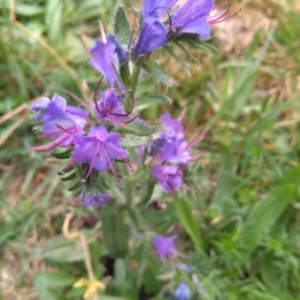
{"points": [[103, 59], [109, 107], [182, 292], [193, 17], [61, 122], [152, 36], [98, 149], [95, 200], [171, 146], [164, 246], [169, 177], [190, 16]]}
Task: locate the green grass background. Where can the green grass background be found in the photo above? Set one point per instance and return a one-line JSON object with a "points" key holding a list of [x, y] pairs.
{"points": [[247, 93]]}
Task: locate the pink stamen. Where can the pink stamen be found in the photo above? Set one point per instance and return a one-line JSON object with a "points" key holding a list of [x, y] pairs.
{"points": [[85, 47], [220, 15], [120, 155], [219, 5], [131, 120], [226, 19], [51, 145], [72, 130], [92, 162], [182, 15], [95, 95], [80, 101]]}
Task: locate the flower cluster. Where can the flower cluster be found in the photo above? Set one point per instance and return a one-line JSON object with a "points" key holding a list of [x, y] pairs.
{"points": [[98, 148], [172, 153], [163, 21]]}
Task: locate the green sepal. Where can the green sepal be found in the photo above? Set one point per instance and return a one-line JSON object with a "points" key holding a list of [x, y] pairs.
{"points": [[122, 29], [63, 155], [75, 186], [70, 177], [125, 74]]}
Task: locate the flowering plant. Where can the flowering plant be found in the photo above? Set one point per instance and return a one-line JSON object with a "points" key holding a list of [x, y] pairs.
{"points": [[123, 164]]}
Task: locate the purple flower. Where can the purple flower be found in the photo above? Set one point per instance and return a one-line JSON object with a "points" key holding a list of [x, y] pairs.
{"points": [[61, 122], [95, 200], [156, 8], [171, 145], [123, 55], [192, 17], [98, 149], [152, 36], [103, 59], [168, 176], [164, 246], [182, 292], [109, 107]]}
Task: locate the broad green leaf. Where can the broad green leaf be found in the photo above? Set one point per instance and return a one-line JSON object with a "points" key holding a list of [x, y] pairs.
{"points": [[46, 284], [262, 217], [140, 129], [122, 29], [184, 214], [115, 232], [59, 249], [157, 72]]}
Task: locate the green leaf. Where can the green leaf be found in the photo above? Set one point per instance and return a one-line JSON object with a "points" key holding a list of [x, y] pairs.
{"points": [[29, 10], [46, 284], [132, 143], [157, 72], [122, 29], [262, 217], [140, 129], [53, 19], [146, 101], [115, 231], [184, 214], [169, 50], [225, 184], [59, 249]]}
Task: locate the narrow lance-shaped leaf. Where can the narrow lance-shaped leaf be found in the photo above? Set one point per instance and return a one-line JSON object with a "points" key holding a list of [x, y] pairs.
{"points": [[262, 217], [184, 214]]}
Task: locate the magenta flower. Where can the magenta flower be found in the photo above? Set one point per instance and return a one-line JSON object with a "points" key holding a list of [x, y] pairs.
{"points": [[98, 149], [61, 122], [95, 200], [164, 246], [169, 177]]}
